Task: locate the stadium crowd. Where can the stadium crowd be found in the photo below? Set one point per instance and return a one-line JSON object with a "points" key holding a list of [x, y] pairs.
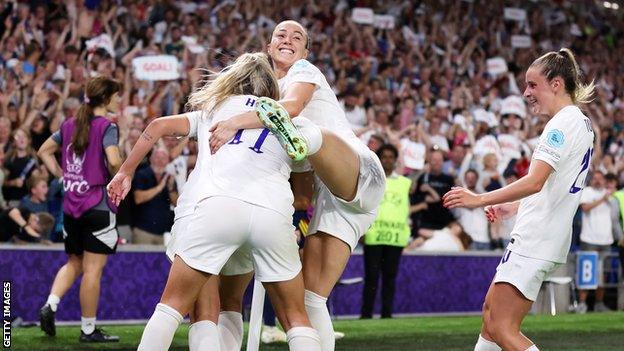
{"points": [[425, 83]]}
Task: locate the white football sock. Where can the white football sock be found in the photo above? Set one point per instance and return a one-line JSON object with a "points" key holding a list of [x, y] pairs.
{"points": [[532, 348], [203, 335], [311, 132], [230, 330], [303, 339], [316, 306], [160, 329], [53, 301], [87, 325], [486, 345]]}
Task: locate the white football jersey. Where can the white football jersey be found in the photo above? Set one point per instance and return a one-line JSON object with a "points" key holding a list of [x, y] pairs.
{"points": [[178, 167], [252, 167], [323, 109], [543, 227], [188, 196]]}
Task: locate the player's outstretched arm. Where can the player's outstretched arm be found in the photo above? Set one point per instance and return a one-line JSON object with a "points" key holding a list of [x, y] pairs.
{"points": [[525, 186], [295, 100], [177, 125]]}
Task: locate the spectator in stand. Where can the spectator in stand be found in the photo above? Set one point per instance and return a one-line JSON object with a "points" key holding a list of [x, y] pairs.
{"points": [[19, 162], [154, 192], [474, 220], [37, 200], [3, 204], [616, 213], [354, 110], [500, 231], [491, 177], [453, 166], [596, 232], [619, 196], [450, 238], [5, 133], [435, 216], [375, 142], [512, 130], [20, 225], [412, 142]]}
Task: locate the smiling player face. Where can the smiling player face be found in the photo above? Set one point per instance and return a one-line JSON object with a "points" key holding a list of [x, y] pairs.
{"points": [[539, 92], [288, 43]]}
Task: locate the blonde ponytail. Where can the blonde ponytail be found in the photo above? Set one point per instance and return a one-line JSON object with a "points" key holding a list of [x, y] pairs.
{"points": [[250, 74], [582, 92]]}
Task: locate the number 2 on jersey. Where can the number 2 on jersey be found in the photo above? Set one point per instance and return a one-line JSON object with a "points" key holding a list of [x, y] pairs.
{"points": [[257, 145], [576, 186]]}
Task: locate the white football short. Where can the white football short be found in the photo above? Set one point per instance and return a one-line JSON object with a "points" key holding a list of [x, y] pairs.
{"points": [[219, 226], [349, 220], [239, 263], [525, 273]]}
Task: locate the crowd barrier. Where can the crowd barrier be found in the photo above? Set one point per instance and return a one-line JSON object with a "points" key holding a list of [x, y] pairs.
{"points": [[427, 283]]}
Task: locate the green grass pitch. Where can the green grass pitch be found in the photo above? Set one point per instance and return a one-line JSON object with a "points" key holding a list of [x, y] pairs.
{"points": [[597, 331]]}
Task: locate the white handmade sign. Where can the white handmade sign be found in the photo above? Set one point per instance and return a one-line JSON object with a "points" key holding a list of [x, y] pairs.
{"points": [[101, 41], [156, 67], [496, 65], [384, 21], [515, 14], [363, 15], [520, 41]]}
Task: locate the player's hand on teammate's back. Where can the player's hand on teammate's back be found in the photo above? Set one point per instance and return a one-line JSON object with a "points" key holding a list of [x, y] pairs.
{"points": [[461, 197], [119, 187], [221, 133]]}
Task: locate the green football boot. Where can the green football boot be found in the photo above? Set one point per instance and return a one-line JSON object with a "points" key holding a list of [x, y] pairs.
{"points": [[275, 118]]}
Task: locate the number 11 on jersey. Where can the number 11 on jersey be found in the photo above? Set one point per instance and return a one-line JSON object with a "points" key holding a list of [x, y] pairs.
{"points": [[257, 145]]}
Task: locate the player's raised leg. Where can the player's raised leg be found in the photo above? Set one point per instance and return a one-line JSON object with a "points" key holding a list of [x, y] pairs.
{"points": [[333, 160]]}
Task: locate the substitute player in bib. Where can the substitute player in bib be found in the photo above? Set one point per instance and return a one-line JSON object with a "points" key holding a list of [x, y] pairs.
{"points": [[89, 151], [244, 201], [549, 194], [350, 181]]}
